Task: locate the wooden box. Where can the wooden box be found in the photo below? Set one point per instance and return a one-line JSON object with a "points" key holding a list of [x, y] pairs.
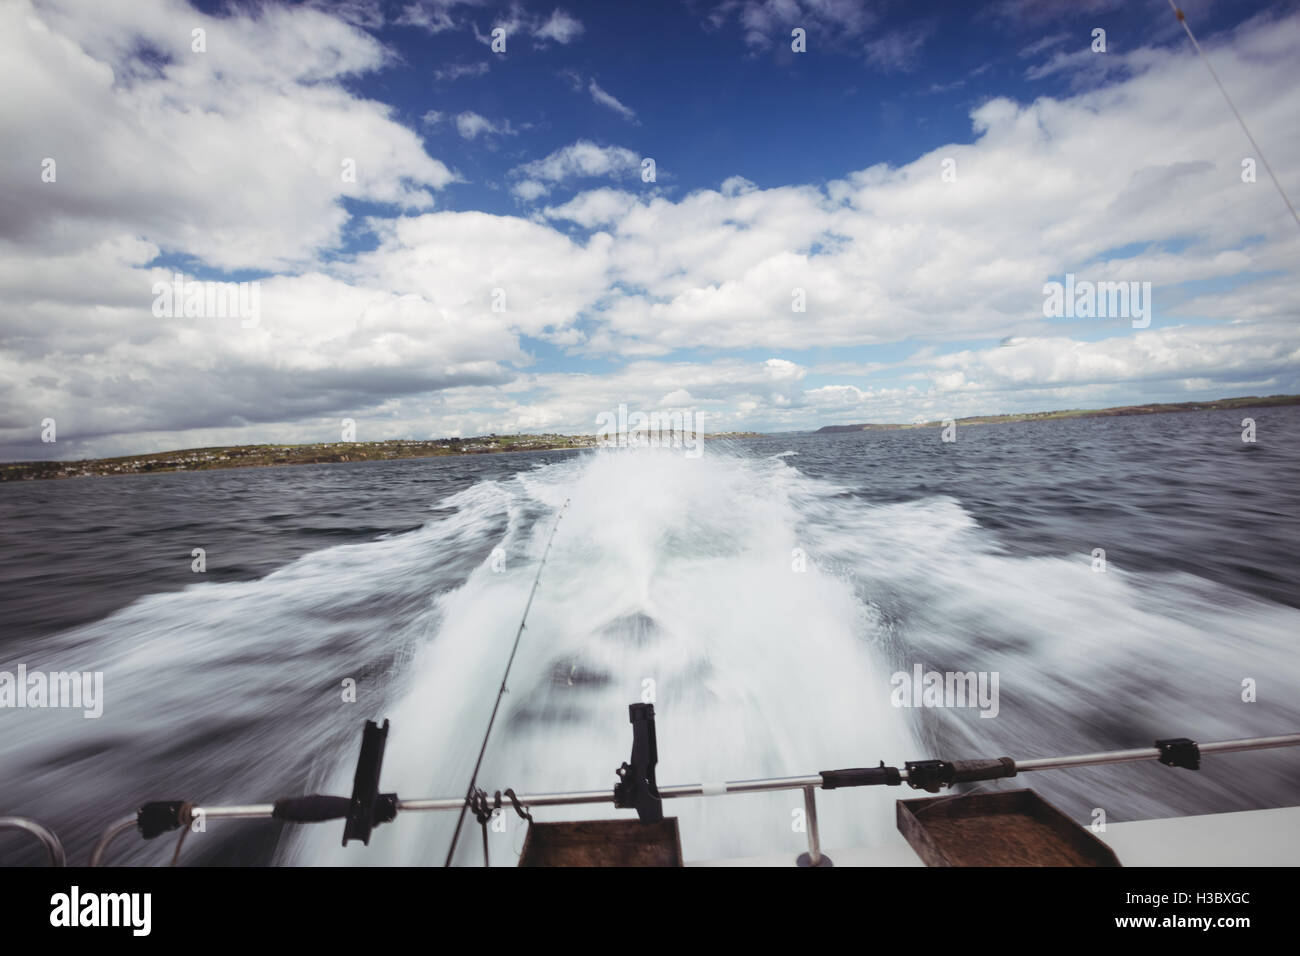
{"points": [[1004, 828], [603, 843]]}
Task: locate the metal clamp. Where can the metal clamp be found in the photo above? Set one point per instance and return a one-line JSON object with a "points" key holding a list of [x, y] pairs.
{"points": [[1180, 752], [929, 775], [161, 816]]}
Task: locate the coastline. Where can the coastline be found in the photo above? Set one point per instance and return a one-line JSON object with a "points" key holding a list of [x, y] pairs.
{"points": [[1117, 411], [223, 457]]}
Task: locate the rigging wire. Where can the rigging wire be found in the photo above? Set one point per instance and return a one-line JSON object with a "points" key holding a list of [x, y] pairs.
{"points": [[1182, 18]]}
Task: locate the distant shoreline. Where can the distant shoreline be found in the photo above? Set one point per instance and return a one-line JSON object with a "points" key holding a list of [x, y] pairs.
{"points": [[264, 456], [1249, 401], [220, 457]]}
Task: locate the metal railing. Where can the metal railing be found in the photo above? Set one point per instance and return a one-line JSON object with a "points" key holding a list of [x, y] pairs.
{"points": [[53, 848], [929, 775]]}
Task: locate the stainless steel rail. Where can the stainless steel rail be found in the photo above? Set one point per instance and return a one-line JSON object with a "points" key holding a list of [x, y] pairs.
{"points": [[51, 843], [808, 784], [1153, 753]]}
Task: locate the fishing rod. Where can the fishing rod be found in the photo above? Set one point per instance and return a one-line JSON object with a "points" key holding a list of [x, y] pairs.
{"points": [[369, 808], [473, 780]]}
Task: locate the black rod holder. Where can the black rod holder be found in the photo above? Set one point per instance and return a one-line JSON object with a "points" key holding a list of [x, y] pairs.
{"points": [[636, 788], [369, 807]]}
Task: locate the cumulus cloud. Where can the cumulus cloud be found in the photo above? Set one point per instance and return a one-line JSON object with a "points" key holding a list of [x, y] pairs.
{"points": [[441, 303], [471, 125], [581, 160], [322, 346], [596, 207], [1220, 353], [529, 190], [238, 156], [432, 328], [1120, 183]]}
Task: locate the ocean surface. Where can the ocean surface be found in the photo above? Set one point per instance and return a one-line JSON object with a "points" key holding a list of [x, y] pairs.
{"points": [[763, 594]]}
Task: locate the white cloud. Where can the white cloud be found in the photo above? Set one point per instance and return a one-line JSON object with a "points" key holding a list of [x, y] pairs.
{"points": [[606, 99], [899, 50], [1043, 44], [765, 22], [368, 14], [413, 317], [844, 26], [456, 71], [435, 16], [560, 28], [236, 155], [583, 159], [885, 254], [599, 95], [471, 125], [456, 260], [737, 185], [1138, 180], [1216, 353], [596, 207], [529, 189]]}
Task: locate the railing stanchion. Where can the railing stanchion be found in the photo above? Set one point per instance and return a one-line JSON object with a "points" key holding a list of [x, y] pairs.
{"points": [[814, 856]]}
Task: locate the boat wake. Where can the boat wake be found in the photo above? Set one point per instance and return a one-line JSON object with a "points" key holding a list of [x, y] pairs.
{"points": [[761, 610], [669, 580], [764, 613]]}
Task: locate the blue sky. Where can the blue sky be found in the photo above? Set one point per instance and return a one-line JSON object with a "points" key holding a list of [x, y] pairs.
{"points": [[480, 172]]}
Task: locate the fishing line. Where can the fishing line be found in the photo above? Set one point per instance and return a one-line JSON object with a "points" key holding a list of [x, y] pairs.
{"points": [[473, 780], [1182, 18]]}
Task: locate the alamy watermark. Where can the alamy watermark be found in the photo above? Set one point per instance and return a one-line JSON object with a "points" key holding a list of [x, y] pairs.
{"points": [[923, 688], [1081, 299], [75, 908], [656, 429], [195, 299], [68, 689]]}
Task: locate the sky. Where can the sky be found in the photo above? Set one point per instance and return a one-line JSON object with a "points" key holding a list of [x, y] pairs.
{"points": [[462, 218]]}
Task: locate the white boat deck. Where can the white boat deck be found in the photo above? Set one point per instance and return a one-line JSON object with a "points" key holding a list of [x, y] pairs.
{"points": [[1246, 838]]}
